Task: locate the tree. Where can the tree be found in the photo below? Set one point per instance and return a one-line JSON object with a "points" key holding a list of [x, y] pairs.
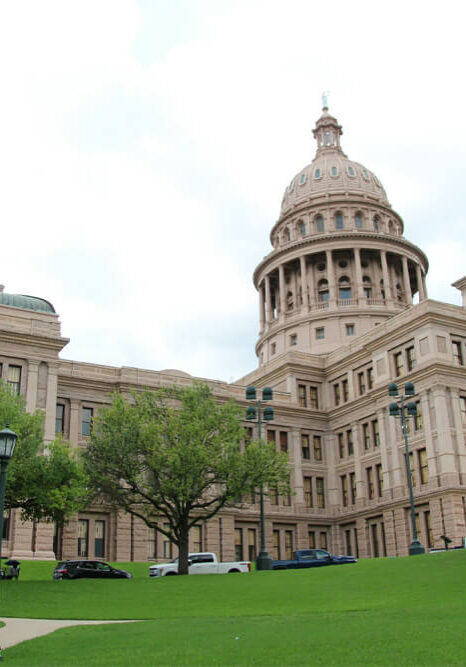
{"points": [[47, 483], [178, 454]]}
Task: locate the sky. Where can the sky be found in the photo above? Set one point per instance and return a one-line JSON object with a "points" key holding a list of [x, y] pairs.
{"points": [[145, 146]]}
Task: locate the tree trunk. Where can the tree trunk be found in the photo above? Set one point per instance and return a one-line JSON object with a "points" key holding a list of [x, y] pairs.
{"points": [[183, 547]]}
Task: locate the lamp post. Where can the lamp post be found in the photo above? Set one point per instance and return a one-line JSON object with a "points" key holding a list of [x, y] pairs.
{"points": [[263, 561], [399, 409], [7, 447]]}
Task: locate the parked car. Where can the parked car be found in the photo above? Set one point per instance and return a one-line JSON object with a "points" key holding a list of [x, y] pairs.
{"points": [[88, 569], [311, 558], [199, 563]]}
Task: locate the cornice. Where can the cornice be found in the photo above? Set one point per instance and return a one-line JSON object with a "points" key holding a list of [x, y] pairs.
{"points": [[20, 338]]}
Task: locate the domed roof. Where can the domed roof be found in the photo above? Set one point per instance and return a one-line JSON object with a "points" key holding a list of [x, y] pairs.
{"points": [[26, 302], [331, 172]]}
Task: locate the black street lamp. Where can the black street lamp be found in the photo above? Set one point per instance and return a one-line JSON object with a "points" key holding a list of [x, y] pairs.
{"points": [[7, 447], [399, 409], [263, 561]]}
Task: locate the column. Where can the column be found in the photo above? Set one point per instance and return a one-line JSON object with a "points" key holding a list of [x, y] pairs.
{"points": [[406, 283], [304, 290], [268, 301], [358, 270], [330, 275], [420, 283], [387, 285], [447, 459], [31, 386], [51, 402], [281, 286], [261, 308], [75, 414]]}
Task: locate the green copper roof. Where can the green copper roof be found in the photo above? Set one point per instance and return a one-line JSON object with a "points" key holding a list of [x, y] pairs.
{"points": [[26, 302]]}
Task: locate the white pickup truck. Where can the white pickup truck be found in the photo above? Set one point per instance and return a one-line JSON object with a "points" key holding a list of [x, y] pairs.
{"points": [[200, 563]]}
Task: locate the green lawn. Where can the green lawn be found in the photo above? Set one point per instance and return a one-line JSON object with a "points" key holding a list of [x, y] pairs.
{"points": [[409, 611]]}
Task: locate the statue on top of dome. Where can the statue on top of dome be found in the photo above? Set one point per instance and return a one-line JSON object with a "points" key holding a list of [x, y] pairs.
{"points": [[325, 99]]}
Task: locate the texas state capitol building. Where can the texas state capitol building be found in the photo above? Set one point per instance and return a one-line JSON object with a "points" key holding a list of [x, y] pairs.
{"points": [[343, 311]]}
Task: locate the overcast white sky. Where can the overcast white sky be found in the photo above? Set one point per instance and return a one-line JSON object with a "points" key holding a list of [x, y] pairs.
{"points": [[145, 146]]}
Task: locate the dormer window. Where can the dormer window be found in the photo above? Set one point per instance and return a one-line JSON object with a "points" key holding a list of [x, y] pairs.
{"points": [[334, 171], [302, 179], [351, 171], [317, 173], [365, 175]]}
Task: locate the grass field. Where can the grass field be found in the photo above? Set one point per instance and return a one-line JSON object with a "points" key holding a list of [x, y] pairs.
{"points": [[405, 611]]}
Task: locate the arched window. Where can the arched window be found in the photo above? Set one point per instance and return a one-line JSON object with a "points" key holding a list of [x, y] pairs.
{"points": [[358, 220], [322, 290], [367, 286], [319, 223], [338, 220], [302, 228], [344, 288], [376, 223]]}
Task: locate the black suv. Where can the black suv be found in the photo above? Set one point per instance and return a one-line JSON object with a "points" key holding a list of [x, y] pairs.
{"points": [[89, 569]]}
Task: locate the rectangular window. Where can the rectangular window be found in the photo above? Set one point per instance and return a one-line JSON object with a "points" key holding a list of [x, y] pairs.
{"points": [[196, 537], [305, 450], [238, 544], [366, 436], [370, 483], [276, 545], [283, 441], [287, 500], [302, 395], [320, 491], [361, 384], [411, 358], [336, 394], [273, 496], [411, 466], [99, 539], [273, 348], [14, 379], [344, 385], [379, 473], [463, 409], [314, 398], [308, 492], [344, 490], [429, 533], [86, 420], [288, 544], [375, 540], [349, 442], [457, 353], [423, 467], [317, 447], [270, 436], [83, 538], [252, 549], [375, 433], [341, 446], [312, 539], [418, 417], [60, 418], [294, 339], [399, 366], [323, 541], [350, 329], [353, 487], [152, 543], [320, 333], [370, 378]]}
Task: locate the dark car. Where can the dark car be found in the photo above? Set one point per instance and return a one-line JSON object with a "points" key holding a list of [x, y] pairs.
{"points": [[88, 569], [305, 558]]}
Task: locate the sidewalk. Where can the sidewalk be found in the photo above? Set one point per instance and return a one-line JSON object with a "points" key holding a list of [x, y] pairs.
{"points": [[18, 630]]}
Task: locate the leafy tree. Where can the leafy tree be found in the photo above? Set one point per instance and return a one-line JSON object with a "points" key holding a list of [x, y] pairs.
{"points": [[45, 483], [176, 453]]}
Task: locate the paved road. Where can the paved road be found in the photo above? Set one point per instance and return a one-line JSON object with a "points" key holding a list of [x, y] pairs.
{"points": [[18, 630]]}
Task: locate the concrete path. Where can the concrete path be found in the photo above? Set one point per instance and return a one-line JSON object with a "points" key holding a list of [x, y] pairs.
{"points": [[18, 630]]}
